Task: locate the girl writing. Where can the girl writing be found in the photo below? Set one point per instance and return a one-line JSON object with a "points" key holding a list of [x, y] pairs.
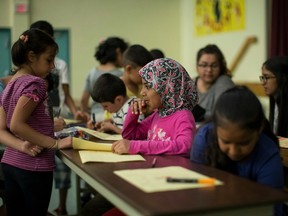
{"points": [[238, 139], [28, 165], [171, 93]]}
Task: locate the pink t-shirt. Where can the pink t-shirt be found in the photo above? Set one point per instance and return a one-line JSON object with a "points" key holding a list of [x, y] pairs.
{"points": [[170, 135], [40, 120]]}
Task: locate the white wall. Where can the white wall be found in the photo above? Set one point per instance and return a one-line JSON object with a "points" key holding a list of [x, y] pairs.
{"points": [[165, 24]]}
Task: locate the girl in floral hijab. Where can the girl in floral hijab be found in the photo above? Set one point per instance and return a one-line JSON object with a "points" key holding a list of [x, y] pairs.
{"points": [[169, 91]]}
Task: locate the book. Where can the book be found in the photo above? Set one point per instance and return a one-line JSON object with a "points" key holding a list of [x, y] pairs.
{"points": [[90, 151], [82, 144], [100, 135], [107, 157]]}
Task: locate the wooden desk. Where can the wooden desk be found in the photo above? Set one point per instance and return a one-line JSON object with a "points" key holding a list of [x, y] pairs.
{"points": [[238, 196]]}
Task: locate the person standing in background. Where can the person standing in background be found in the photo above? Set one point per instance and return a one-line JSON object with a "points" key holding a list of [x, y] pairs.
{"points": [[213, 78], [60, 96], [109, 53]]}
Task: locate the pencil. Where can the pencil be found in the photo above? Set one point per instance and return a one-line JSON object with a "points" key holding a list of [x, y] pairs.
{"points": [[58, 113], [94, 121], [191, 180]]}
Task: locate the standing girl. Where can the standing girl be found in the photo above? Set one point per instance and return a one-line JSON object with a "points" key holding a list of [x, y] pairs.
{"points": [[171, 93], [239, 140], [29, 170]]}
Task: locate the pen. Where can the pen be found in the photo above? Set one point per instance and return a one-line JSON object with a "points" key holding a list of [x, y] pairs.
{"points": [[154, 162], [93, 120], [58, 113], [191, 180]]}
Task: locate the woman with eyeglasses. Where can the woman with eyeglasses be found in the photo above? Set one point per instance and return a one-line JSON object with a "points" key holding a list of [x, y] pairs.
{"points": [[274, 80], [275, 83], [213, 78]]}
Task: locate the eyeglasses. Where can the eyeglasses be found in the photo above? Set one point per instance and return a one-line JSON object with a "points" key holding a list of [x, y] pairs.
{"points": [[212, 66], [264, 79]]}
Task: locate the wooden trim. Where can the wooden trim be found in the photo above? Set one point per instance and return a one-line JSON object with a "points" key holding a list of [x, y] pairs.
{"points": [[255, 87]]}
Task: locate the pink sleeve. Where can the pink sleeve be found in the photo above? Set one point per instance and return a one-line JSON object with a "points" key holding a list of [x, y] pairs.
{"points": [[132, 129], [179, 131]]}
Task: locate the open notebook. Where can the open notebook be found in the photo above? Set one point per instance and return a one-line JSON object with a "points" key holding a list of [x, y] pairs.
{"points": [[91, 151]]}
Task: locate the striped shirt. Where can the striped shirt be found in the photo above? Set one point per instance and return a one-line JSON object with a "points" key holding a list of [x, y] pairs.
{"points": [[40, 120]]}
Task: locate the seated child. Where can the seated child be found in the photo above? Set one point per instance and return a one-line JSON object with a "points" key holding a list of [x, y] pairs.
{"points": [[169, 92], [238, 139], [110, 91]]}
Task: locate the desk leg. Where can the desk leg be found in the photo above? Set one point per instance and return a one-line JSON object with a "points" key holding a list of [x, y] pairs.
{"points": [[78, 193]]}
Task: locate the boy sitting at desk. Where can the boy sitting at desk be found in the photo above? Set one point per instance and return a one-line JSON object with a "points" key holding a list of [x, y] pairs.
{"points": [[110, 91]]}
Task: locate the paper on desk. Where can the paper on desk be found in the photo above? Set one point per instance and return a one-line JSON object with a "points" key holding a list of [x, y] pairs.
{"points": [[71, 121], [154, 179], [81, 144], [101, 156], [101, 135]]}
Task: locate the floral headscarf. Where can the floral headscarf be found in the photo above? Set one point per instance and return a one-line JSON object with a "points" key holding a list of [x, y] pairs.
{"points": [[172, 82]]}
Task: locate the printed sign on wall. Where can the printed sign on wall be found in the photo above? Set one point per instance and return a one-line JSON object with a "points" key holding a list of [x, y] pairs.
{"points": [[215, 16]]}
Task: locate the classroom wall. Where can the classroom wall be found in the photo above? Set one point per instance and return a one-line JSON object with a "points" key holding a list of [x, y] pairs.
{"points": [[164, 24]]}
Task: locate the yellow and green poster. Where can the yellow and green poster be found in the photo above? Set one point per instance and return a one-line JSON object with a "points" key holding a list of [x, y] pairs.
{"points": [[215, 16]]}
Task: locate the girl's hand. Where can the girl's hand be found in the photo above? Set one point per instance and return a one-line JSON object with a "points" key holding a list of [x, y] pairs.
{"points": [[121, 146], [65, 143], [138, 106], [31, 149]]}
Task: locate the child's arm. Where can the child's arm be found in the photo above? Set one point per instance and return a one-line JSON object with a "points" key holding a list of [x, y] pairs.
{"points": [[23, 110], [132, 129], [10, 140]]}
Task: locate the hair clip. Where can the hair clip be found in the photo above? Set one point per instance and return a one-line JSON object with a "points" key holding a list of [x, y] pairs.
{"points": [[102, 40], [24, 38]]}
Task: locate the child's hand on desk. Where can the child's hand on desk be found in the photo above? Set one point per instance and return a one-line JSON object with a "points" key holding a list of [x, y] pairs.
{"points": [[93, 125], [121, 146]]}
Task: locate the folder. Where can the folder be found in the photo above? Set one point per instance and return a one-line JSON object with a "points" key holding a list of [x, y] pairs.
{"points": [[81, 144], [100, 135]]}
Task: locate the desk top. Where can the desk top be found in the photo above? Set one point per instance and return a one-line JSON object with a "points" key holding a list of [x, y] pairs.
{"points": [[235, 193]]}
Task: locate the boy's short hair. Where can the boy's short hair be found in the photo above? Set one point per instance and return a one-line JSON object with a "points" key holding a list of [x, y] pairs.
{"points": [[107, 87], [137, 55]]}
